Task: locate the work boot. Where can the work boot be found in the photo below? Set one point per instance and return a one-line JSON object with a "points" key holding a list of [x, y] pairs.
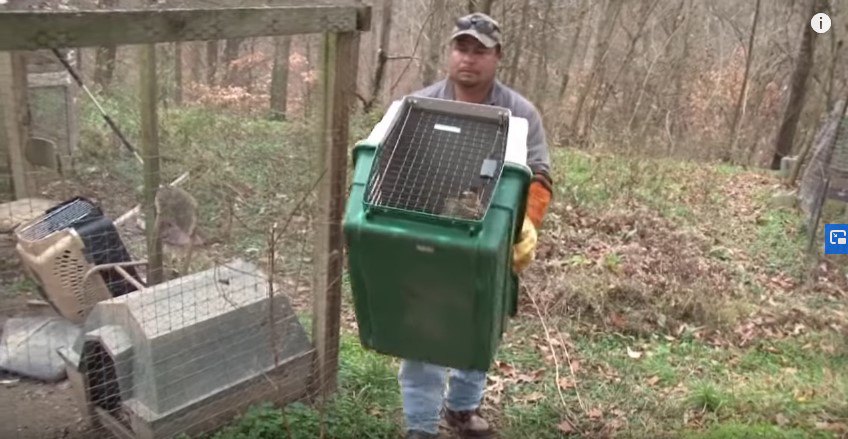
{"points": [[415, 434], [469, 424]]}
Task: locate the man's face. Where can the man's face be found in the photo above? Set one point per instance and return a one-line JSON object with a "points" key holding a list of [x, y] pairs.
{"points": [[471, 63]]}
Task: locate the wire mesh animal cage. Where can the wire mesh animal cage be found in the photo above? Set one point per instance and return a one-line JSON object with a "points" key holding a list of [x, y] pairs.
{"points": [[76, 256], [169, 358], [437, 200], [270, 205]]}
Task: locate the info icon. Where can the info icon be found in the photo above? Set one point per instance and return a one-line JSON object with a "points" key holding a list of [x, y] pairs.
{"points": [[836, 239]]}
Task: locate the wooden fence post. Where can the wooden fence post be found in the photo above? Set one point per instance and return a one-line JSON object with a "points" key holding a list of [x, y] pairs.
{"points": [[14, 124], [150, 155], [340, 55]]}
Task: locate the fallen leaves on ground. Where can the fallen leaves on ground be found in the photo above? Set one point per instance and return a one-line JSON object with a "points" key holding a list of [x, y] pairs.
{"points": [[595, 413], [504, 375], [630, 268], [565, 427]]}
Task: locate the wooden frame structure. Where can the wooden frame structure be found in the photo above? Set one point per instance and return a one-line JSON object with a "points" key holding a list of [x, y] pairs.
{"points": [[341, 22]]}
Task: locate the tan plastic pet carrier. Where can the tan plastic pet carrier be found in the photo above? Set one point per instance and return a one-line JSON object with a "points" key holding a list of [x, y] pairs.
{"points": [[75, 255]]}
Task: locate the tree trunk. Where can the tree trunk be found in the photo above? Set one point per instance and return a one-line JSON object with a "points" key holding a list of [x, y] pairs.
{"points": [[382, 56], [194, 62], [675, 26], [178, 73], [542, 62], [484, 6], [739, 113], [603, 31], [798, 90], [572, 49], [675, 128], [517, 48], [211, 61], [104, 58], [434, 50], [600, 101], [231, 53], [280, 77], [835, 48]]}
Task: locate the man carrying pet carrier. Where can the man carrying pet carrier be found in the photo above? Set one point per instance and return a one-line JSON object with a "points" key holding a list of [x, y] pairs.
{"points": [[475, 51]]}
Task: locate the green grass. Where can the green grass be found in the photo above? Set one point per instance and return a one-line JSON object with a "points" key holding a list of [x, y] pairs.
{"points": [[780, 242], [21, 285], [733, 392], [729, 389], [753, 430], [596, 181], [367, 405]]}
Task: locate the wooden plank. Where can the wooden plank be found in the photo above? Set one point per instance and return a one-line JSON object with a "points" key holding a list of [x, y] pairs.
{"points": [[150, 154], [282, 385], [30, 30], [118, 430], [341, 52], [14, 122]]}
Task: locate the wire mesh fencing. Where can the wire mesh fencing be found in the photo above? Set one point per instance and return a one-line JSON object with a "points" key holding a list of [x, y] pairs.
{"points": [[138, 313]]}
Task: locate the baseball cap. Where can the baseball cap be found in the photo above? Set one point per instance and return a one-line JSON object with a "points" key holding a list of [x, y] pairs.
{"points": [[480, 26]]}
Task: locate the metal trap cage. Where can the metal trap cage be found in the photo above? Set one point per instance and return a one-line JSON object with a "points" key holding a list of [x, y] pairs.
{"points": [[437, 201], [440, 163], [75, 255]]}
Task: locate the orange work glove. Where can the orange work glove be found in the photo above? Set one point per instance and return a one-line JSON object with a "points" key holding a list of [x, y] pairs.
{"points": [[524, 251], [538, 199]]}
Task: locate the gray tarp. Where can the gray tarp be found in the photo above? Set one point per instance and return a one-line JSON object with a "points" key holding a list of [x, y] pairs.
{"points": [[29, 346]]}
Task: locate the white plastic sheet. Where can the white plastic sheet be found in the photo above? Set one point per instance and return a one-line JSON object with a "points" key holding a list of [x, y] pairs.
{"points": [[29, 346]]}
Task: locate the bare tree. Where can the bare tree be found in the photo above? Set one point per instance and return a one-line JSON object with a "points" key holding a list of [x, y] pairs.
{"points": [[104, 59], [211, 61], [798, 90], [603, 35], [382, 56], [739, 112], [542, 61], [231, 53], [484, 6], [517, 46], [280, 77], [434, 49], [572, 49]]}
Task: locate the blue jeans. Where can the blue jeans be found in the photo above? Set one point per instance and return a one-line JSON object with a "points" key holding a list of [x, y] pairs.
{"points": [[422, 387]]}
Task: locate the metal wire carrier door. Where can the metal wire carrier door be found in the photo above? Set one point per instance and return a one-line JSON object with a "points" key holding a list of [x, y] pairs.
{"points": [[439, 162]]}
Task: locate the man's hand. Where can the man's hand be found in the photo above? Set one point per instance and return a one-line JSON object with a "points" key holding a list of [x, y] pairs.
{"points": [[524, 251]]}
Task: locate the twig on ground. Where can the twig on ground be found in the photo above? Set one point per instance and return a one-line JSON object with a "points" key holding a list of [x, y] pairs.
{"points": [[556, 360], [571, 367]]}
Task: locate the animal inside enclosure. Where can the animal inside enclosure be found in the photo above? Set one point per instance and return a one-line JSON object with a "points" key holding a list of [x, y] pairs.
{"points": [[185, 236]]}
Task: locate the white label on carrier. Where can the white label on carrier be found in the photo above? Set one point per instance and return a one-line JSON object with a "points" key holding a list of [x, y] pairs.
{"points": [[449, 128]]}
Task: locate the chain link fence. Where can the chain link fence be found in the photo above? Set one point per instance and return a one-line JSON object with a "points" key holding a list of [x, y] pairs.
{"points": [[165, 217]]}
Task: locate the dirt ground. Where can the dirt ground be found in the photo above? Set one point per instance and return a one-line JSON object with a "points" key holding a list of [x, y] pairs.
{"points": [[31, 408]]}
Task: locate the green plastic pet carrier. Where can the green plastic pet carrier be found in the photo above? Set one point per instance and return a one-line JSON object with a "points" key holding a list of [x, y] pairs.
{"points": [[437, 201]]}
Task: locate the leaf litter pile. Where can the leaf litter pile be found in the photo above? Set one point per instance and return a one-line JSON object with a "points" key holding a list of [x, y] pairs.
{"points": [[627, 267], [630, 269]]}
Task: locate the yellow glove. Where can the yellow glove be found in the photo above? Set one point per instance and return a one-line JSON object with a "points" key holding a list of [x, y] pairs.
{"points": [[524, 251]]}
